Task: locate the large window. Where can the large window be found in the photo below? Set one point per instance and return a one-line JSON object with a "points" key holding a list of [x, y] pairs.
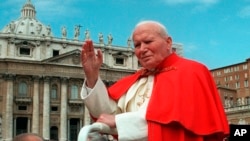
{"points": [[245, 67], [248, 100], [55, 53], [246, 83], [218, 73], [53, 92], [246, 75], [237, 77], [22, 89], [74, 92], [119, 61], [24, 51], [237, 85]]}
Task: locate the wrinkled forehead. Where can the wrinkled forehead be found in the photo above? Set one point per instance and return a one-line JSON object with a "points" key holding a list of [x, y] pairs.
{"points": [[153, 28], [146, 26], [146, 29]]}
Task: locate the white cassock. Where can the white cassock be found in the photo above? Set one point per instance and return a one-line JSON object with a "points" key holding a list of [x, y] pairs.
{"points": [[130, 110]]}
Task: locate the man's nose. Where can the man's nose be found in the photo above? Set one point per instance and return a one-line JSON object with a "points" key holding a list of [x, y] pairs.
{"points": [[143, 47]]}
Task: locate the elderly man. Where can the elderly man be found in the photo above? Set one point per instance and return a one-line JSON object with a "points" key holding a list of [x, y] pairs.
{"points": [[171, 98]]}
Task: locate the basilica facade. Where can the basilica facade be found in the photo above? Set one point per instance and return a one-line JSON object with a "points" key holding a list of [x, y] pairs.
{"points": [[41, 77]]}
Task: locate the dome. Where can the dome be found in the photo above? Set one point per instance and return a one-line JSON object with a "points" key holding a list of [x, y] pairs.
{"points": [[27, 23]]}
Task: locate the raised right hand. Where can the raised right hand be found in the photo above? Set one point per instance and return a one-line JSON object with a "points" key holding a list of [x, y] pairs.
{"points": [[91, 62]]}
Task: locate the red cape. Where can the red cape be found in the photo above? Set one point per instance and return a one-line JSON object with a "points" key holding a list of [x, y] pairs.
{"points": [[184, 105]]}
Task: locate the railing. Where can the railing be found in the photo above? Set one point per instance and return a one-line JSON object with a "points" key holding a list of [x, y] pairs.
{"points": [[23, 100], [75, 102], [238, 108]]}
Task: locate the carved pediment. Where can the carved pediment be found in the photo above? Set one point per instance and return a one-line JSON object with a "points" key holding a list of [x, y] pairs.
{"points": [[120, 54], [105, 66], [68, 58]]}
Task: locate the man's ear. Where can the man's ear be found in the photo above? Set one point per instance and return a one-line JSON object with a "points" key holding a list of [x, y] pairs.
{"points": [[169, 42], [169, 39]]}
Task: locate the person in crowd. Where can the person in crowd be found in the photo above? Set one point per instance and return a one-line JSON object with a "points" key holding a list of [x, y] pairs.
{"points": [[28, 137], [169, 98]]}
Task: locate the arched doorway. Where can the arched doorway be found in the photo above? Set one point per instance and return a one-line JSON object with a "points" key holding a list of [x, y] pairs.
{"points": [[74, 128], [21, 125], [53, 133]]}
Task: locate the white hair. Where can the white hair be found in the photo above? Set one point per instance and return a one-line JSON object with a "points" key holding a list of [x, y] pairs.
{"points": [[162, 28]]}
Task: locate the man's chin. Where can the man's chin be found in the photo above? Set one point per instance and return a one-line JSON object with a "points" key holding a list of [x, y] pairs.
{"points": [[149, 66]]}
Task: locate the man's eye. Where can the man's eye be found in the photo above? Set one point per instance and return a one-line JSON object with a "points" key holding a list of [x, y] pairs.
{"points": [[136, 45], [147, 42]]}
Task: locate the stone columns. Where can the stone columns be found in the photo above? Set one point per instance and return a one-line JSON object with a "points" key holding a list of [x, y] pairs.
{"points": [[68, 123], [46, 109], [11, 48], [35, 114], [28, 125], [8, 109], [63, 115], [4, 52], [38, 51], [81, 123], [14, 126]]}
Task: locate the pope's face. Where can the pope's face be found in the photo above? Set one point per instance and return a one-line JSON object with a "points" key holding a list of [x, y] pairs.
{"points": [[151, 48]]}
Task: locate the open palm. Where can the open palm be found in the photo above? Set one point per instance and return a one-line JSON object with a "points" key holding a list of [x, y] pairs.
{"points": [[91, 62]]}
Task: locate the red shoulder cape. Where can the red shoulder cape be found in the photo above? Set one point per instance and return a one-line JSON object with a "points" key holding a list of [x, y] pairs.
{"points": [[186, 95]]}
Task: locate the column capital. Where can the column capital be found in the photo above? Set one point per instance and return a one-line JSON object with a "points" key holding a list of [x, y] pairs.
{"points": [[9, 76], [64, 79], [46, 78], [36, 78], [11, 40]]}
